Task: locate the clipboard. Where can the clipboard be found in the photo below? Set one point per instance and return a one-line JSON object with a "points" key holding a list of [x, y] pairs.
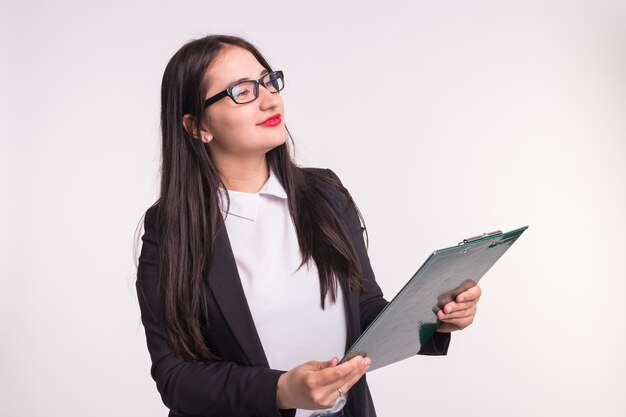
{"points": [[410, 319]]}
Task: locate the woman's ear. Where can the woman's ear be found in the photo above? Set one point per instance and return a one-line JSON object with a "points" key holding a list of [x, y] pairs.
{"points": [[190, 125]]}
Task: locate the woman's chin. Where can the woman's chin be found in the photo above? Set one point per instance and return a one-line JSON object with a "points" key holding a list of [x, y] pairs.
{"points": [[277, 142]]}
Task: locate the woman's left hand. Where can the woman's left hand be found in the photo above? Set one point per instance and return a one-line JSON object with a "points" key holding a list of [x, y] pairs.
{"points": [[460, 313]]}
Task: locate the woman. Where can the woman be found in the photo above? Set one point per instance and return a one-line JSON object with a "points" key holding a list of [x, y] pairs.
{"points": [[251, 266]]}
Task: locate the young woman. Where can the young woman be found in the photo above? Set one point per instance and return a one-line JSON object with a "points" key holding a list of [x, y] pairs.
{"points": [[253, 277]]}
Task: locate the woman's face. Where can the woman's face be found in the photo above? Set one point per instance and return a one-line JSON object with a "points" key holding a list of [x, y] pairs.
{"points": [[236, 128]]}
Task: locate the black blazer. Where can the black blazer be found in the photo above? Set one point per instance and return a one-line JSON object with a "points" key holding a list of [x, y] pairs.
{"points": [[242, 384]]}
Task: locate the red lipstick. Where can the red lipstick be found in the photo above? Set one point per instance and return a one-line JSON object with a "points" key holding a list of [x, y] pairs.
{"points": [[271, 121]]}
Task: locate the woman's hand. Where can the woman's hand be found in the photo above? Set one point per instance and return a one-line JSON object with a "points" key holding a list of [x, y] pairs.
{"points": [[458, 314], [313, 385]]}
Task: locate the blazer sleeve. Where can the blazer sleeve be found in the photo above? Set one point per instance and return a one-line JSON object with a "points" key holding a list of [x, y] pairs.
{"points": [[371, 299], [212, 388]]}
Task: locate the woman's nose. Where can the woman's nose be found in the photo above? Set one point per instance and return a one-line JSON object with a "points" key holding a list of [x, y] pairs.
{"points": [[268, 99]]}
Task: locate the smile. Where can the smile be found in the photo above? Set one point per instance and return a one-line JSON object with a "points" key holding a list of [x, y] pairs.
{"points": [[271, 121]]}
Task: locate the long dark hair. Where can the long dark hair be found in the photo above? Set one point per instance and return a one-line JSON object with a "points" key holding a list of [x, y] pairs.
{"points": [[188, 208]]}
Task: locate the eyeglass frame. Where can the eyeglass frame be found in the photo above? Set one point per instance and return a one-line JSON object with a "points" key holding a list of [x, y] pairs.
{"points": [[228, 90]]}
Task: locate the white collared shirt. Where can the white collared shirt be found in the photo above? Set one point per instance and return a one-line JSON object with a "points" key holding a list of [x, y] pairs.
{"points": [[284, 300]]}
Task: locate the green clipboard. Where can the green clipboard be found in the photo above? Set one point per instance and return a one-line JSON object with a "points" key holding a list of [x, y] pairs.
{"points": [[410, 319]]}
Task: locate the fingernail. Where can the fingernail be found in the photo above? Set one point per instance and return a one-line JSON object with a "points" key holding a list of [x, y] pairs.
{"points": [[461, 299], [367, 362]]}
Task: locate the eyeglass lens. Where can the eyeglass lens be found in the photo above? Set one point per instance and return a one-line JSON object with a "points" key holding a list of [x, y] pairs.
{"points": [[247, 91]]}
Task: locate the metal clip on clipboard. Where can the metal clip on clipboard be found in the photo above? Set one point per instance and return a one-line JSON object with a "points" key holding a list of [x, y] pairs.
{"points": [[484, 235]]}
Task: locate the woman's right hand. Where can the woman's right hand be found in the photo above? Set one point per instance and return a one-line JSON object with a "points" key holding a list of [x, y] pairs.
{"points": [[313, 385]]}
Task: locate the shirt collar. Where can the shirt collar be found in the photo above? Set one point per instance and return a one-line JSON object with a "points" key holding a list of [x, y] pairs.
{"points": [[246, 205], [273, 187]]}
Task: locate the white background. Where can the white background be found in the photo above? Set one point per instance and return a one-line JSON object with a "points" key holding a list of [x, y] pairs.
{"points": [[444, 120]]}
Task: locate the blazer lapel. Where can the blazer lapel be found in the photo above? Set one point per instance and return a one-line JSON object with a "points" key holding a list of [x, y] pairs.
{"points": [[225, 283]]}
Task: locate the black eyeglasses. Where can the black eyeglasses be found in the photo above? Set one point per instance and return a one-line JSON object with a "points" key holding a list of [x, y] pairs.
{"points": [[246, 91]]}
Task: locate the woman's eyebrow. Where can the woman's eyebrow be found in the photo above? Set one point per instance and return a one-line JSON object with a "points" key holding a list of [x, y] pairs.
{"points": [[264, 71]]}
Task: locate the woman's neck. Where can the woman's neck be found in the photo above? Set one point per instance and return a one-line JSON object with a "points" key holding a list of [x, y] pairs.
{"points": [[246, 175]]}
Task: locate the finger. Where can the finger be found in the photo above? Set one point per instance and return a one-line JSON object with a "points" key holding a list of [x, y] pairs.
{"points": [[454, 306], [460, 322], [353, 379], [333, 375], [473, 293], [327, 364], [349, 380], [457, 311], [456, 314], [355, 372]]}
